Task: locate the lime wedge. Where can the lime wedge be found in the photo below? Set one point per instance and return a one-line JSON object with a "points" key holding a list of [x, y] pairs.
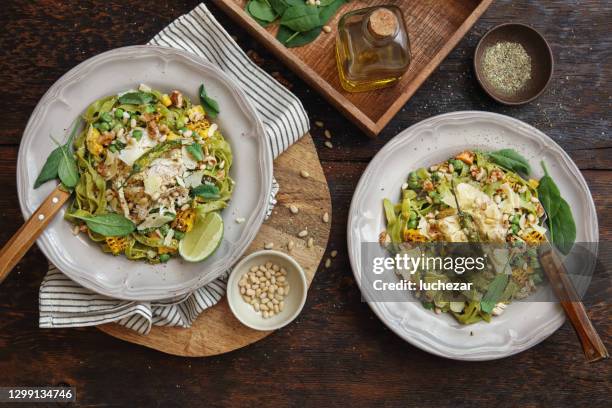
{"points": [[205, 237]]}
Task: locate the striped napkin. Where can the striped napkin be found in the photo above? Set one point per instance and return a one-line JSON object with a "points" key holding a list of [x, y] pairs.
{"points": [[64, 303]]}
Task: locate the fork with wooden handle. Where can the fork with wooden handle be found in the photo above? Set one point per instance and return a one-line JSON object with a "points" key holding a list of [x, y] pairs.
{"points": [[593, 347], [23, 239]]}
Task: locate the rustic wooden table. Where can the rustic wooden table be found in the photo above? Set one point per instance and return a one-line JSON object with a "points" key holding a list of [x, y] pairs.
{"points": [[337, 352]]}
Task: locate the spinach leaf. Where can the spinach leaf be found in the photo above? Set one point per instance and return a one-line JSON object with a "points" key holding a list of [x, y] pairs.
{"points": [[565, 228], [511, 160], [108, 225], [210, 105], [291, 38], [195, 150], [301, 18], [137, 98], [331, 9], [208, 191], [262, 10], [67, 170], [561, 224], [49, 170], [549, 194], [494, 292], [279, 6], [51, 167]]}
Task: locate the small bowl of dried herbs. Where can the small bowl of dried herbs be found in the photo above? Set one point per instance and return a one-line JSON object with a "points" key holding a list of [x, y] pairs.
{"points": [[513, 63]]}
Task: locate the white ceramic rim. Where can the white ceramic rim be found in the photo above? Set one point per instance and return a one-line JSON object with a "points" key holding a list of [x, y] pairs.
{"points": [[78, 273], [233, 287], [422, 339]]}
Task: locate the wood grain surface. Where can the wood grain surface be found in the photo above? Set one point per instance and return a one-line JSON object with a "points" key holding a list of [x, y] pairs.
{"points": [[434, 27], [217, 331], [337, 352]]}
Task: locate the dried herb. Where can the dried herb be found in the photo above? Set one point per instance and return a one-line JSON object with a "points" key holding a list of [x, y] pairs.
{"points": [[507, 66]]}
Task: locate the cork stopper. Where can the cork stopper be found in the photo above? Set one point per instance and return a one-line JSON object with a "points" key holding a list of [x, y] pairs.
{"points": [[382, 23]]}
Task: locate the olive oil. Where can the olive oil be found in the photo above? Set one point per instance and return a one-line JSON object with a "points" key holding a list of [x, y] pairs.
{"points": [[372, 48]]}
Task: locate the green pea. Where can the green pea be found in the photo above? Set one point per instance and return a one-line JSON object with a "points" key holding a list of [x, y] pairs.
{"points": [[137, 134], [150, 109], [179, 234], [458, 165], [412, 224], [515, 219], [119, 113], [413, 215], [180, 123], [515, 229], [106, 117], [164, 258], [105, 127]]}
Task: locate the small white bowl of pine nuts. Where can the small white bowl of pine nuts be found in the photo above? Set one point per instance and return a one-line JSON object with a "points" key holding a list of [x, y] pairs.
{"points": [[267, 290]]}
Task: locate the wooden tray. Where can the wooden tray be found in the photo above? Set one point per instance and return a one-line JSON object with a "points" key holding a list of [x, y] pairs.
{"points": [[216, 330], [435, 27]]}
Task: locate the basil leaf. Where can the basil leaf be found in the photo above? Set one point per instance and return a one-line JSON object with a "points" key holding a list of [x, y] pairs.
{"points": [[494, 293], [208, 191], [49, 170], [511, 160], [301, 18], [291, 38], [195, 150], [137, 98], [261, 10], [108, 225], [210, 105], [564, 226], [67, 170]]}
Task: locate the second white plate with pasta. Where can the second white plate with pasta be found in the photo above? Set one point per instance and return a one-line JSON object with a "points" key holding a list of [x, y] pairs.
{"points": [[159, 150], [432, 141]]}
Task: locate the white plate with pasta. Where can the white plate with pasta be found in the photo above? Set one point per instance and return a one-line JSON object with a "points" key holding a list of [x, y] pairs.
{"points": [[168, 154], [461, 333]]}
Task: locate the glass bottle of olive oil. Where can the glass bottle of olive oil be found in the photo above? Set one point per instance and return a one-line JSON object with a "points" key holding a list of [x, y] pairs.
{"points": [[372, 48]]}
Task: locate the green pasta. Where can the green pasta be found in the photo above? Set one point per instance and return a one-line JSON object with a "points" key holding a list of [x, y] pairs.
{"points": [[133, 158]]}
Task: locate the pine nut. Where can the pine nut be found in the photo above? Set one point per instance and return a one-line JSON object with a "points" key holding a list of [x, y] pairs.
{"points": [[304, 174], [326, 217], [303, 233], [293, 209]]}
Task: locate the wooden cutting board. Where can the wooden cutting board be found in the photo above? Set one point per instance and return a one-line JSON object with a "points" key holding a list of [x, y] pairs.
{"points": [[216, 330]]}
